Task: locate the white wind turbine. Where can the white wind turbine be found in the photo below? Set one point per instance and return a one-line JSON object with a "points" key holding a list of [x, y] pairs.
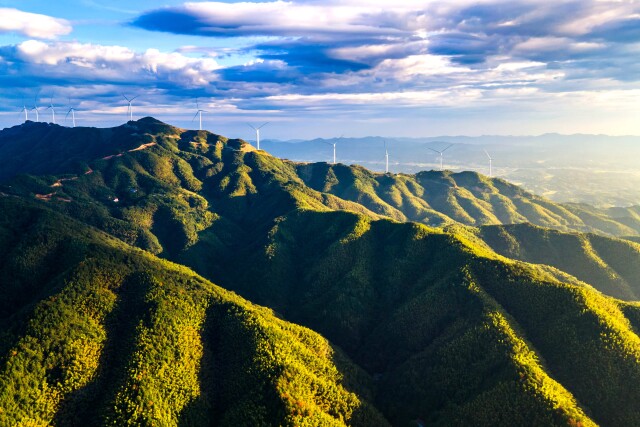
{"points": [[440, 153], [257, 129], [53, 111], [386, 158], [35, 108], [490, 163], [71, 111], [199, 113], [334, 148], [25, 110], [129, 108]]}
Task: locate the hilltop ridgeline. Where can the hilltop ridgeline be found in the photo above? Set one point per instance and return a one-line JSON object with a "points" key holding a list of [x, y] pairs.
{"points": [[187, 160], [484, 320]]}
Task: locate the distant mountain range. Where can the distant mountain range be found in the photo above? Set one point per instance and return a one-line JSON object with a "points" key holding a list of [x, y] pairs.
{"points": [[595, 169], [435, 298]]}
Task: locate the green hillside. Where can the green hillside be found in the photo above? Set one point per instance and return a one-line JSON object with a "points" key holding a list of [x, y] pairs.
{"points": [[610, 265], [110, 335], [436, 198], [423, 310], [105, 321]]}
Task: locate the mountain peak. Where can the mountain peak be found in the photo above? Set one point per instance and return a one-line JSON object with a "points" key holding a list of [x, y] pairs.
{"points": [[151, 120]]}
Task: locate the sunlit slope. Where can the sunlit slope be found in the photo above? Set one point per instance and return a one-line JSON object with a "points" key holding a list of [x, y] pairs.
{"points": [[97, 333], [611, 265], [436, 198], [455, 334], [442, 328], [173, 178], [159, 186]]}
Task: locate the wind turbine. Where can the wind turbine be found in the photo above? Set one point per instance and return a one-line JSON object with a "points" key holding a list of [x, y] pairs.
{"points": [[440, 152], [53, 111], [35, 108], [257, 129], [490, 165], [199, 113], [25, 110], [386, 158], [129, 109], [334, 148], [71, 111]]}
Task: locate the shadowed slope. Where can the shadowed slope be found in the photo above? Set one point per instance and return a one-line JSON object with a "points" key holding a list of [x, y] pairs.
{"points": [[437, 198], [442, 328], [119, 339], [610, 265]]}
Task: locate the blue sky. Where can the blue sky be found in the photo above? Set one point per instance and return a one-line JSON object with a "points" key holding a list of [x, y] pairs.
{"points": [[324, 68]]}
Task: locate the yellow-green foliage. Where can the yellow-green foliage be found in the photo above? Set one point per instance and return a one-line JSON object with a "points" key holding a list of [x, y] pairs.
{"points": [[443, 329], [608, 264], [460, 334], [127, 339]]}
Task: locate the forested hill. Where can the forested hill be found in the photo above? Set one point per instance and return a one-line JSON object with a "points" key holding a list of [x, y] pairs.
{"points": [[95, 332], [410, 324], [432, 197], [436, 198]]}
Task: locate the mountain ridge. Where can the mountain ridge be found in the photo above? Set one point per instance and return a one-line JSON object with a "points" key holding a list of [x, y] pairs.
{"points": [[448, 325]]}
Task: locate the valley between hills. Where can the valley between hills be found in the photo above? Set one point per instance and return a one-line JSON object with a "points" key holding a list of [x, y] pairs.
{"points": [[152, 275]]}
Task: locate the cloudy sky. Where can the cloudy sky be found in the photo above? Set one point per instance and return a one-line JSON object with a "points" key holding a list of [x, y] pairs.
{"points": [[325, 68]]}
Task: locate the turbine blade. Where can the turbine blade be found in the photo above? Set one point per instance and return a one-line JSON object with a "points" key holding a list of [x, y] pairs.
{"points": [[194, 117], [435, 151], [252, 127], [450, 145], [264, 124]]}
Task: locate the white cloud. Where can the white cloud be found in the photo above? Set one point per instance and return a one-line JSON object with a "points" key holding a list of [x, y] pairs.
{"points": [[513, 66], [300, 18], [595, 14], [419, 65], [97, 62], [457, 97], [32, 24], [553, 44]]}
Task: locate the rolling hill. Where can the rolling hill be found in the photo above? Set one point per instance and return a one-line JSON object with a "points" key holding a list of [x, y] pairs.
{"points": [[111, 244], [436, 198], [99, 333]]}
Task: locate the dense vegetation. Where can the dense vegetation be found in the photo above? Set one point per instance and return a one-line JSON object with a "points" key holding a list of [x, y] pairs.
{"points": [[498, 325], [436, 198], [111, 335], [611, 265]]}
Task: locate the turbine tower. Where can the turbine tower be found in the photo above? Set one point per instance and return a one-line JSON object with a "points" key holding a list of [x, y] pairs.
{"points": [[334, 151], [490, 163], [257, 129], [25, 110], [440, 153], [53, 111], [334, 148], [129, 108], [35, 108], [71, 111], [386, 158], [199, 113]]}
